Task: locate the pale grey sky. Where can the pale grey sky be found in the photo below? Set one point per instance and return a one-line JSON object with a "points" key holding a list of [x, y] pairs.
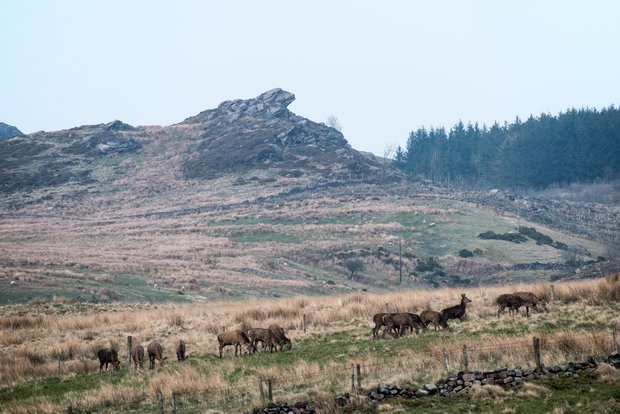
{"points": [[382, 68]]}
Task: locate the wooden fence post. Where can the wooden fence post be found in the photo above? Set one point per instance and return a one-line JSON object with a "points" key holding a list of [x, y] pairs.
{"points": [[537, 354], [161, 402], [305, 322], [69, 410], [352, 378], [552, 294], [359, 377], [269, 390], [58, 368], [465, 358], [614, 333], [129, 351], [445, 361], [386, 308], [261, 390], [174, 403]]}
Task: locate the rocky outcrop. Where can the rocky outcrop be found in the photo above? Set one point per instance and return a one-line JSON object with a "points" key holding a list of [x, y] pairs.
{"points": [[8, 131], [263, 133], [51, 159], [272, 103]]}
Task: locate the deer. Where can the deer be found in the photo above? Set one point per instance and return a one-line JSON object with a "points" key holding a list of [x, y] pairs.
{"points": [[434, 317], [137, 354], [108, 356], [457, 311], [156, 352], [531, 300], [236, 338]]}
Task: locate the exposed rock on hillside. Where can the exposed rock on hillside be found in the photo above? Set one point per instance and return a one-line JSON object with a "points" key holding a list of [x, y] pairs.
{"points": [[49, 159], [262, 132], [8, 131]]}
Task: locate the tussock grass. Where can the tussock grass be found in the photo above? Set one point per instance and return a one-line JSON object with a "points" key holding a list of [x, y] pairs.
{"points": [[608, 374]]}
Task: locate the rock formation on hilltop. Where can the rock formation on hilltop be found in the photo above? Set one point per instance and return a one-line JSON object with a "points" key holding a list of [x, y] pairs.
{"points": [[8, 131], [262, 132]]}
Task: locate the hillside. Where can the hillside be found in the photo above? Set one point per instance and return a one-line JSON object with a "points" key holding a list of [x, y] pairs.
{"points": [[249, 199], [8, 131]]}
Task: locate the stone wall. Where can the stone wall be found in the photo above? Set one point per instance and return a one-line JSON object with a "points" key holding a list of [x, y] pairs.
{"points": [[458, 384]]}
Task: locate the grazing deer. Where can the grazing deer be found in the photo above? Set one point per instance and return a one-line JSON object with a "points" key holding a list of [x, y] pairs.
{"points": [[434, 317], [236, 338], [137, 354], [108, 356], [156, 352]]}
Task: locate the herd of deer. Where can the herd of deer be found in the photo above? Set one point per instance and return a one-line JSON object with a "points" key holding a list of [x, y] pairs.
{"points": [[271, 338], [397, 324], [274, 337], [154, 350]]}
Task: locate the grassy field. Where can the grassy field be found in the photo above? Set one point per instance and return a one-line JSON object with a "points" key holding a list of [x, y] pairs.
{"points": [[34, 336]]}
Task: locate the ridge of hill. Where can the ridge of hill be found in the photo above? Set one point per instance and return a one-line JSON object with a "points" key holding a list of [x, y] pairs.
{"points": [[240, 135]]}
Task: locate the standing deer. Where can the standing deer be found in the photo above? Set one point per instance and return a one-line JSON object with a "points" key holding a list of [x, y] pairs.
{"points": [[457, 311]]}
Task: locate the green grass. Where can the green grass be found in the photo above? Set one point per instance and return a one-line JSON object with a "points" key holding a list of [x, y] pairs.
{"points": [[266, 237], [57, 387]]}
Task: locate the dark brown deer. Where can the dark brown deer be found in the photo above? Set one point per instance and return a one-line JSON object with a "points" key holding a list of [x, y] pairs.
{"points": [[181, 347], [417, 324], [434, 317], [108, 356], [457, 311], [510, 301], [398, 323]]}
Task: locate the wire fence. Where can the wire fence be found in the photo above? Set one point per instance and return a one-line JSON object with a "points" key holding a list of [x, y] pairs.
{"points": [[439, 360]]}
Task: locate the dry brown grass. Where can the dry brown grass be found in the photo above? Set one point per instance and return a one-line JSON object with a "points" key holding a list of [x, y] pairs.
{"points": [[40, 337], [33, 337]]}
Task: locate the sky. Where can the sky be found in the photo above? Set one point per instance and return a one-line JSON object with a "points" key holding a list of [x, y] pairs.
{"points": [[383, 68]]}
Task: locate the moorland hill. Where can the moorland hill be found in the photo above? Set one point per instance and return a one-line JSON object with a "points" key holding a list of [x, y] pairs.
{"points": [[251, 199]]}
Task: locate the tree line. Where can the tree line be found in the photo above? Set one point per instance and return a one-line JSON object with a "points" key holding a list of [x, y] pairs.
{"points": [[579, 145]]}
